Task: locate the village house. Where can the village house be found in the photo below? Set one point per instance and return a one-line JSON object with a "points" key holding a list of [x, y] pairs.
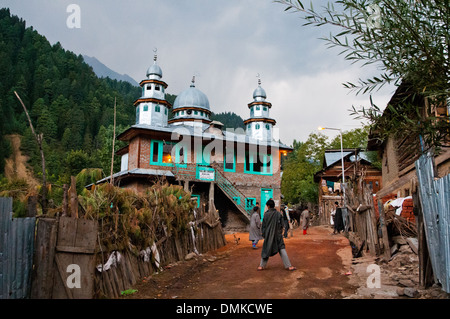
{"points": [[230, 170], [357, 165], [398, 154]]}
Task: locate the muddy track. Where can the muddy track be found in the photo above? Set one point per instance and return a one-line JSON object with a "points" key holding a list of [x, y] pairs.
{"points": [[322, 261]]}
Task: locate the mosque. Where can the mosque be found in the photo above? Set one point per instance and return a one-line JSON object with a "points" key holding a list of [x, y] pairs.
{"points": [[230, 170]]}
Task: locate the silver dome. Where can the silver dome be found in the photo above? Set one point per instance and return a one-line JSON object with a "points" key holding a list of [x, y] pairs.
{"points": [[191, 97], [154, 69], [259, 92]]}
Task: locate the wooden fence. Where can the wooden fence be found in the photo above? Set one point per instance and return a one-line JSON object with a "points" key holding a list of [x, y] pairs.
{"points": [[67, 247], [122, 269]]}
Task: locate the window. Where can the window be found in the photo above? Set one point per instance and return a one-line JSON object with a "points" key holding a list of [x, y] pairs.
{"points": [[250, 202], [180, 156], [195, 112], [165, 111], [268, 126], [157, 88], [167, 154], [145, 108], [149, 86], [257, 126], [249, 126], [229, 162], [258, 163], [157, 108], [155, 151], [265, 108], [258, 108], [137, 115], [161, 153], [202, 157]]}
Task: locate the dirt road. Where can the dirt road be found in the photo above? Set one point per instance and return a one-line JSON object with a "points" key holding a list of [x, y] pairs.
{"points": [[322, 261]]}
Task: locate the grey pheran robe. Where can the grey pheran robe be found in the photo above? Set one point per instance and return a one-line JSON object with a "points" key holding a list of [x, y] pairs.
{"points": [[272, 228], [255, 227]]}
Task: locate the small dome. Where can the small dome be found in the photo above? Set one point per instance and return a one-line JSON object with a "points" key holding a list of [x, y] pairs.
{"points": [[191, 97], [259, 92], [154, 70]]}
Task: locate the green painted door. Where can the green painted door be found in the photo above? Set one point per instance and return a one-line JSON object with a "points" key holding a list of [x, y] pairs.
{"points": [[266, 194]]}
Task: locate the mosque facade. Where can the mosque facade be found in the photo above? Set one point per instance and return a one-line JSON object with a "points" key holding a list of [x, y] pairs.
{"points": [[230, 170]]}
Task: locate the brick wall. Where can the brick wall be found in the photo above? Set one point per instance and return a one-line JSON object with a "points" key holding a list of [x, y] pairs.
{"points": [[407, 207]]}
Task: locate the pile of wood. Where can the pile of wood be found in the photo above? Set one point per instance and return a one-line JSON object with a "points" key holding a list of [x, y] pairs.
{"points": [[362, 222]]}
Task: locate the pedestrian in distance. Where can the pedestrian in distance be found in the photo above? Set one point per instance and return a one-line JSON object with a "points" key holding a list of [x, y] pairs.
{"points": [[255, 227], [285, 221], [272, 232], [338, 221], [305, 219]]}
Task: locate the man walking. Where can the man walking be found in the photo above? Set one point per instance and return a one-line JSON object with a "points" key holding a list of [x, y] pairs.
{"points": [[305, 219], [272, 231]]}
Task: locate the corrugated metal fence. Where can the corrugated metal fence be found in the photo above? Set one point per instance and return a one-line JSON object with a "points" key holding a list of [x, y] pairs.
{"points": [[435, 199], [16, 252]]}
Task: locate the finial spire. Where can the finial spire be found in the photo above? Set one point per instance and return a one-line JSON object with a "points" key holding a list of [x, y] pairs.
{"points": [[193, 81], [259, 78], [155, 56]]}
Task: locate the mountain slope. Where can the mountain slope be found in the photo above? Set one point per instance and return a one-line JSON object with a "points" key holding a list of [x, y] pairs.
{"points": [[102, 71]]}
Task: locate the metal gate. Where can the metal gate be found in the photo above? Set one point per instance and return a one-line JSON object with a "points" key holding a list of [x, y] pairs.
{"points": [[16, 252]]}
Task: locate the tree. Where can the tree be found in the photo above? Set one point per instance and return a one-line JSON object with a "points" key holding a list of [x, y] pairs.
{"points": [[408, 40], [297, 183]]}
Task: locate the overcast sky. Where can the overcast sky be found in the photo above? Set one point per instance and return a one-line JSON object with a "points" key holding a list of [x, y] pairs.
{"points": [[225, 44]]}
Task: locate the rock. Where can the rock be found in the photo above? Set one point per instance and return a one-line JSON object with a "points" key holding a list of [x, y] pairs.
{"points": [[394, 249], [400, 291], [190, 256], [414, 244], [411, 292], [406, 283], [399, 240]]}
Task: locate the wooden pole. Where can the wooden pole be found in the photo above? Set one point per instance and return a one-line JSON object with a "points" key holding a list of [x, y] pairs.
{"points": [[39, 138], [387, 249]]}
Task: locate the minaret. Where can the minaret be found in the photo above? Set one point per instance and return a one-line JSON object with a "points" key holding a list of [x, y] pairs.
{"points": [[152, 107], [260, 126]]}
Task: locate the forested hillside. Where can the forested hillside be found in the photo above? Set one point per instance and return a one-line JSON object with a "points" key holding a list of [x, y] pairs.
{"points": [[67, 102]]}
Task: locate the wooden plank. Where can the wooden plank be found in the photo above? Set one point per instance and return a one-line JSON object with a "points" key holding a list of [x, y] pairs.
{"points": [[387, 250], [77, 250], [81, 235], [62, 275], [43, 273]]}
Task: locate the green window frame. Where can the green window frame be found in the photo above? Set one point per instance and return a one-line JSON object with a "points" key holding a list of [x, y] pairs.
{"points": [[227, 168], [250, 202], [201, 158], [196, 198], [157, 153], [157, 108], [145, 108], [137, 114], [178, 161], [165, 110], [267, 126], [255, 167], [257, 126]]}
